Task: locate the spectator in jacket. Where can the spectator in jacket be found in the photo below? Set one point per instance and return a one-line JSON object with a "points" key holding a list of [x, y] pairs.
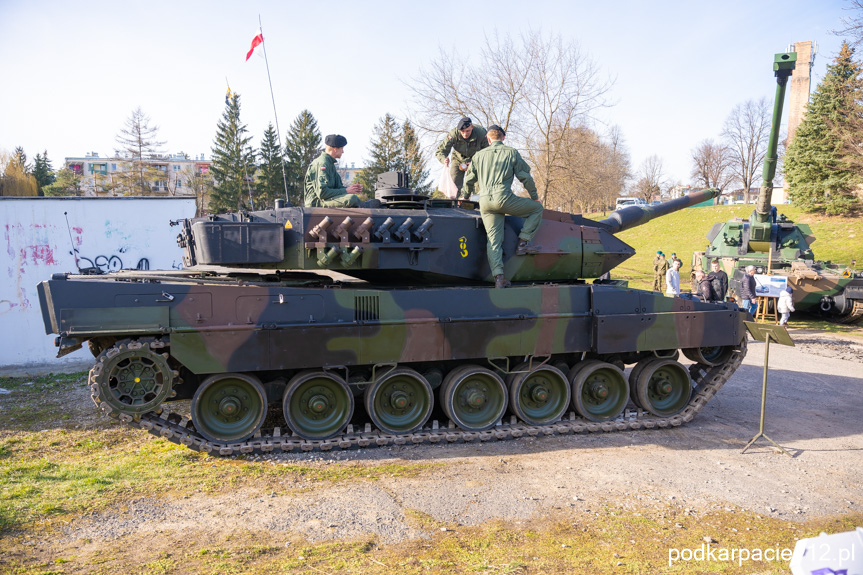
{"points": [[747, 291], [719, 279], [785, 305], [703, 286], [672, 279]]}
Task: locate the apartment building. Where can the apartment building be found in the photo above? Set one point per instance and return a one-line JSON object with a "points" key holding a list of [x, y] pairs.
{"points": [[104, 176]]}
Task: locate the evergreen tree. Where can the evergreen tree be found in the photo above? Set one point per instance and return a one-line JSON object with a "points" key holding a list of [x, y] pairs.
{"points": [[233, 160], [43, 172], [387, 148], [19, 160], [414, 162], [819, 179], [302, 145], [271, 179], [68, 183]]}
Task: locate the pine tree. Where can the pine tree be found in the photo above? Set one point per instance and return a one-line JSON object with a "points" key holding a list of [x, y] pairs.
{"points": [[68, 183], [43, 172], [819, 179], [414, 162], [270, 180], [302, 145], [387, 148], [19, 160], [233, 161]]}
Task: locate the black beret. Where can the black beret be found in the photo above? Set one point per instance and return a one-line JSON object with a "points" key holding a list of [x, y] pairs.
{"points": [[336, 141], [464, 123], [496, 127]]}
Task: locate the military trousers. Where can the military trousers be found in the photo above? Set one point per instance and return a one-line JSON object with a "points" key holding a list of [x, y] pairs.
{"points": [[344, 201], [457, 174], [494, 209]]}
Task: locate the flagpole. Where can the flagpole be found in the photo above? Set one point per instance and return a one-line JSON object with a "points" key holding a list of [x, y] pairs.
{"points": [[278, 133]]}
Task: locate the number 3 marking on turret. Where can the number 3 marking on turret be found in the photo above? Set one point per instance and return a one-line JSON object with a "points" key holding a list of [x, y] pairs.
{"points": [[462, 244]]}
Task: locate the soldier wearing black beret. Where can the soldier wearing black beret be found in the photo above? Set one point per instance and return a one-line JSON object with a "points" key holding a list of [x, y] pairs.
{"points": [[323, 185], [464, 141]]}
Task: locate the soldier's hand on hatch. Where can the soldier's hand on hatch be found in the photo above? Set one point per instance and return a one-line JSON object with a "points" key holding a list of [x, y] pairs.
{"points": [[354, 188], [446, 162]]}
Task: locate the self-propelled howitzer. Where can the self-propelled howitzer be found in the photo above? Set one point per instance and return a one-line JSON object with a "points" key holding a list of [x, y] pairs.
{"points": [[777, 246], [375, 326]]}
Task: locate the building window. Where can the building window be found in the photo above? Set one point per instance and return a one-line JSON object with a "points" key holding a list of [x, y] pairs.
{"points": [[101, 169], [113, 167], [176, 168]]}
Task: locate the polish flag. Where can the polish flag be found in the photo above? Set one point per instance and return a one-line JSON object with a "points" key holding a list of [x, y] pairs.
{"points": [[256, 41]]}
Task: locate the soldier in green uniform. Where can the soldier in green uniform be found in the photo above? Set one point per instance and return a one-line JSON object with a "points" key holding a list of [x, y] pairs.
{"points": [[492, 170], [323, 185], [464, 141], [660, 266]]}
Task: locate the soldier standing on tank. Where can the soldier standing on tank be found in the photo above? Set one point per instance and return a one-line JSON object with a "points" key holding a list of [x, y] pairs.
{"points": [[493, 170], [323, 185], [464, 141], [719, 280], [660, 266]]}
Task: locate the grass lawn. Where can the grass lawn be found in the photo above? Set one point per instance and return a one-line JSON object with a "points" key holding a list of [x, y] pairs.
{"points": [[837, 239]]}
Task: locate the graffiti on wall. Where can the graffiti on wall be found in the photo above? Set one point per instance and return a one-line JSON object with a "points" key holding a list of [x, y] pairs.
{"points": [[32, 246]]}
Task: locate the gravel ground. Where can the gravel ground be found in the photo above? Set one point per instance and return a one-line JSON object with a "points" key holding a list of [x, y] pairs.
{"points": [[813, 410]]}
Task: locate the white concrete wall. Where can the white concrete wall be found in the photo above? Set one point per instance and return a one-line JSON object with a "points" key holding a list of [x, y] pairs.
{"points": [[109, 233]]}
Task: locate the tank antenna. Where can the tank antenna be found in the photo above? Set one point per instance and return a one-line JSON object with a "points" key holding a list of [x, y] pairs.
{"points": [[71, 241], [275, 115]]}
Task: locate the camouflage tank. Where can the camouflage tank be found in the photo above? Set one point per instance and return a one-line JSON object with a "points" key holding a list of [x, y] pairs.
{"points": [[372, 326], [777, 246]]}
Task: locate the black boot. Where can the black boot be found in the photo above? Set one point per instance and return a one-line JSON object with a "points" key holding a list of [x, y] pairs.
{"points": [[500, 281], [524, 248], [373, 203]]}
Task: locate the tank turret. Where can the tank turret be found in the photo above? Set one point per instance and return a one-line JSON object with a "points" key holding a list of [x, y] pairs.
{"points": [[411, 237], [776, 245]]}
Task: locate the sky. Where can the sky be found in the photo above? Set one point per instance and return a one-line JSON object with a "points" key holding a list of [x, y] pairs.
{"points": [[73, 72]]}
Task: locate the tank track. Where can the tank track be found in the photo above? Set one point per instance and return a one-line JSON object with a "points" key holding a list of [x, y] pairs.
{"points": [[856, 313], [178, 429]]}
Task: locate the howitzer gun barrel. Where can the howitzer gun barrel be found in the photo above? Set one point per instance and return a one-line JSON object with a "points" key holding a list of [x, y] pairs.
{"points": [[632, 216], [783, 67]]}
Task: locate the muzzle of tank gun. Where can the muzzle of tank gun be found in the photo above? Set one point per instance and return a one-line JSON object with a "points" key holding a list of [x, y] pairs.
{"points": [[632, 216]]}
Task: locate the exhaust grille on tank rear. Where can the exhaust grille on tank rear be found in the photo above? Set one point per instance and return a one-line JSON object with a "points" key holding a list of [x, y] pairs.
{"points": [[366, 308]]}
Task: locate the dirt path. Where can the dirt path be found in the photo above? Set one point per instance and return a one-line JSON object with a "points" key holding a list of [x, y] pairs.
{"points": [[814, 411]]}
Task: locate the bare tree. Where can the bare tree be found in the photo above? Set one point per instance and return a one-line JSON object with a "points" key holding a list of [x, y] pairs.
{"points": [[537, 90], [853, 25], [138, 142], [650, 179], [746, 131], [711, 165]]}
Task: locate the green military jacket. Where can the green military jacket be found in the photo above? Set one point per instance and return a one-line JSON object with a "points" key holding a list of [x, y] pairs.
{"points": [[494, 168], [322, 181], [462, 150]]}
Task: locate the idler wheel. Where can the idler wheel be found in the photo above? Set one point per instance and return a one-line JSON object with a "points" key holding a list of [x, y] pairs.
{"points": [[399, 402], [712, 355], [599, 390], [473, 397], [663, 387], [132, 379], [229, 407], [539, 396], [317, 404]]}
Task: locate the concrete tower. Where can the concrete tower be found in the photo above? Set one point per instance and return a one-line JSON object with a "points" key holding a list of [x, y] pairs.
{"points": [[799, 85]]}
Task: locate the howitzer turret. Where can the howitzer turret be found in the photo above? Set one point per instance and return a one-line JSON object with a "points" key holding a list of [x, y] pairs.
{"points": [[777, 246], [411, 237]]}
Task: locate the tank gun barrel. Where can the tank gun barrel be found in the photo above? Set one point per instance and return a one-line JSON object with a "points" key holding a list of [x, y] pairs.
{"points": [[783, 66], [632, 216]]}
